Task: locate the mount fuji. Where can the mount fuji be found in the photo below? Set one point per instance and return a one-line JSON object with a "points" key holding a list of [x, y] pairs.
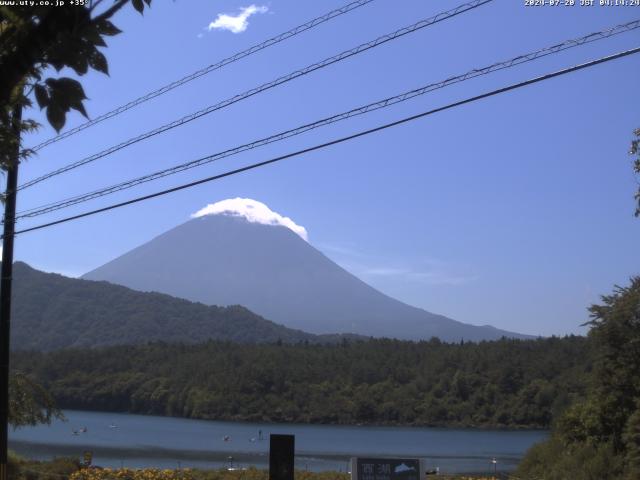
{"points": [[239, 252]]}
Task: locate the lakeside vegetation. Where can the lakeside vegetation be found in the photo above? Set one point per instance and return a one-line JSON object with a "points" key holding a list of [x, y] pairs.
{"points": [[70, 469], [506, 383], [598, 437]]}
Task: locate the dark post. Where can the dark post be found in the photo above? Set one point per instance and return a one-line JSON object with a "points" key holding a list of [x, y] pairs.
{"points": [[281, 456], [5, 288]]}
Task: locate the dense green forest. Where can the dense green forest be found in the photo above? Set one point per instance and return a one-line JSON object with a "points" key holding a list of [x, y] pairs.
{"points": [[510, 383], [51, 311], [598, 437]]}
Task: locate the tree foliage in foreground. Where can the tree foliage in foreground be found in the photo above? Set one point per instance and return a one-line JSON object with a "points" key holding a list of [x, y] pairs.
{"points": [[599, 436], [29, 402], [512, 383], [36, 40]]}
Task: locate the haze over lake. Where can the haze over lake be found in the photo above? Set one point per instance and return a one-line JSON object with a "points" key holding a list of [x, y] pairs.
{"points": [[137, 441]]}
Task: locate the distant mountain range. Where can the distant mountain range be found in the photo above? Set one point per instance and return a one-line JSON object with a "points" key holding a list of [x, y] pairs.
{"points": [[52, 312], [225, 259]]}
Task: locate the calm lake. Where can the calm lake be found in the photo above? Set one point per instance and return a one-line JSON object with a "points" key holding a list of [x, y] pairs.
{"points": [[147, 441]]}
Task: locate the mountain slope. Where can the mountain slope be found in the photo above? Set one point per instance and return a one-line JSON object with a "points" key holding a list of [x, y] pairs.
{"points": [[53, 312], [226, 260]]}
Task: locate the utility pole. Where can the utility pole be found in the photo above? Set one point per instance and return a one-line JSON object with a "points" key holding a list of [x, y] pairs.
{"points": [[11, 170]]}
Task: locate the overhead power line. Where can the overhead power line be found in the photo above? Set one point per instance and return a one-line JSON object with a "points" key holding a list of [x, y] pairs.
{"points": [[204, 71], [339, 140], [384, 103], [266, 86]]}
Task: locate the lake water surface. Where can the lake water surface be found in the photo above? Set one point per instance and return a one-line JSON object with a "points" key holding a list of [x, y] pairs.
{"points": [[147, 441]]}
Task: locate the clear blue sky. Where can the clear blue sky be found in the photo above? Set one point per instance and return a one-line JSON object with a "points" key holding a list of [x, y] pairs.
{"points": [[515, 211]]}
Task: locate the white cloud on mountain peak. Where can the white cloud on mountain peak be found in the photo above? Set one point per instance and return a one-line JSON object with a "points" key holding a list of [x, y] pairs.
{"points": [[252, 211]]}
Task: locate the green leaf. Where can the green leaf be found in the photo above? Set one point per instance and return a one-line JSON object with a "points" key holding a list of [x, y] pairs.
{"points": [[80, 65], [67, 87], [79, 107], [42, 96], [98, 62], [138, 5], [56, 63], [105, 27], [29, 126], [56, 116], [64, 94], [93, 36]]}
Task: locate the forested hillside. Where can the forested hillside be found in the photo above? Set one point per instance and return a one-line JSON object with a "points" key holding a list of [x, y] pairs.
{"points": [[512, 383], [51, 311]]}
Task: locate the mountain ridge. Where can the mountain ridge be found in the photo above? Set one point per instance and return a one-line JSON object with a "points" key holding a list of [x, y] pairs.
{"points": [[51, 312]]}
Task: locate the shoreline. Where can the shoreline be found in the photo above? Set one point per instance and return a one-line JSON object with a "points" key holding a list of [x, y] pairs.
{"points": [[144, 458], [241, 421]]}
